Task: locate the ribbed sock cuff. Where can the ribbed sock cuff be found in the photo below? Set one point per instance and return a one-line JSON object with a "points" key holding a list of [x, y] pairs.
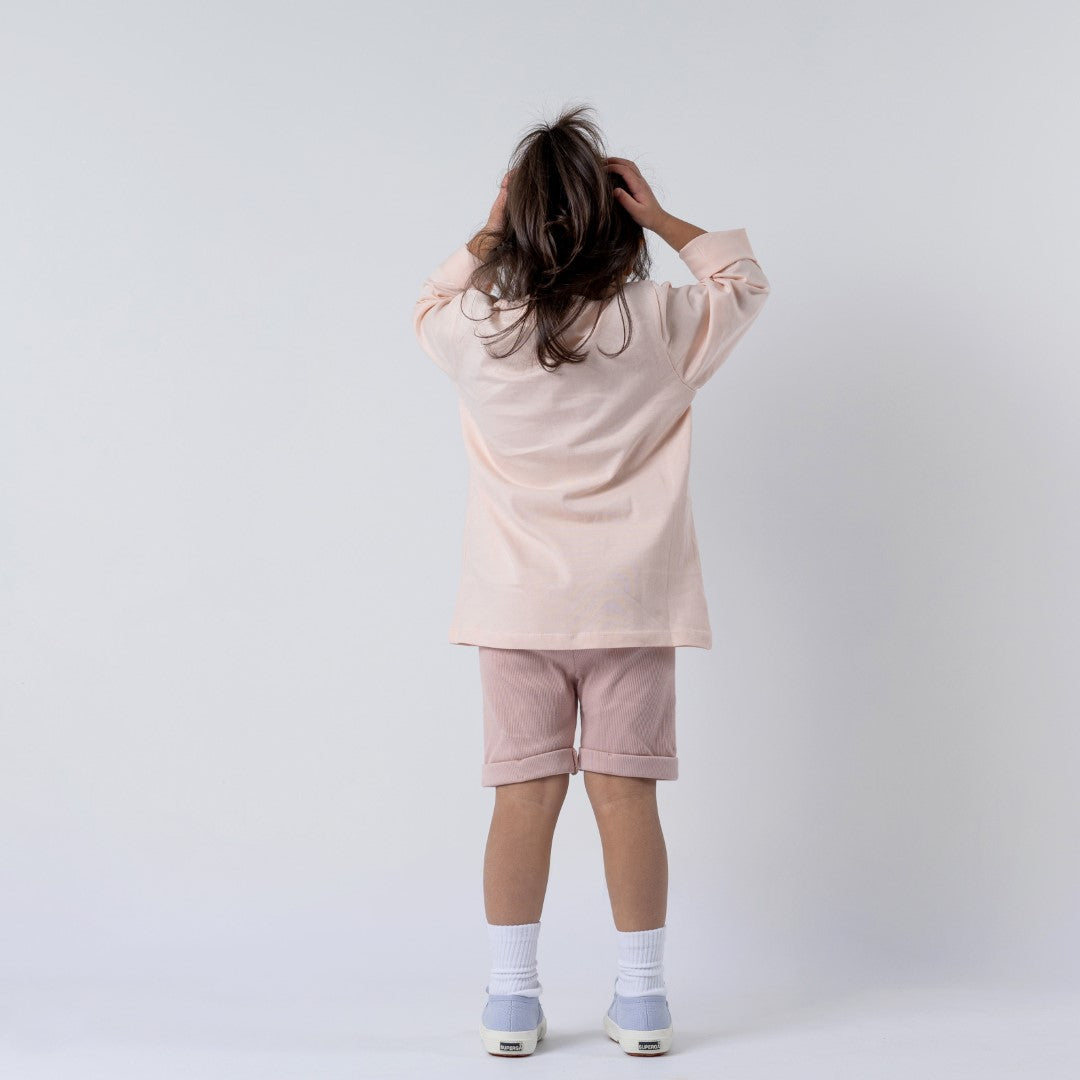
{"points": [[513, 957], [641, 961]]}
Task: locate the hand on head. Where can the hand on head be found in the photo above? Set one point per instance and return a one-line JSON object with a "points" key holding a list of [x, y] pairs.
{"points": [[635, 196], [497, 214]]}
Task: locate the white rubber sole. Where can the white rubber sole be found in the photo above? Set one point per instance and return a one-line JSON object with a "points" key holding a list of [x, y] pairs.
{"points": [[639, 1043], [512, 1043]]}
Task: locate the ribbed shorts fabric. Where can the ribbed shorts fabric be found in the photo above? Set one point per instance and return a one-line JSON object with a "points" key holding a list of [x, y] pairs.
{"points": [[532, 697]]}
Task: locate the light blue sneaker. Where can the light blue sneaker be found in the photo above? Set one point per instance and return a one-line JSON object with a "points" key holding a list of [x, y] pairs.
{"points": [[512, 1024], [640, 1024]]}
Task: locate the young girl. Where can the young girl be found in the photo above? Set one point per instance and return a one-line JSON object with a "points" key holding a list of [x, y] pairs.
{"points": [[580, 573]]}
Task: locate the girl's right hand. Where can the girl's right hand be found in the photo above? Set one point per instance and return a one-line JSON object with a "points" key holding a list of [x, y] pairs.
{"points": [[636, 197]]}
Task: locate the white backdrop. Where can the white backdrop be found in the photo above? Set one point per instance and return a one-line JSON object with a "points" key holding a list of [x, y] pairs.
{"points": [[242, 822]]}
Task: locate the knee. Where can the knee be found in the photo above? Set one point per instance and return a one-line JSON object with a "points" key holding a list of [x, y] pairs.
{"points": [[606, 791], [545, 794]]}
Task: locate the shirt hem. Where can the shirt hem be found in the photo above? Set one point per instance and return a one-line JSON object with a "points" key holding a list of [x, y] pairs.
{"points": [[585, 639]]}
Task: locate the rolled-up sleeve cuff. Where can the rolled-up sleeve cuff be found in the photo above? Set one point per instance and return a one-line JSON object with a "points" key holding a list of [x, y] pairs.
{"points": [[712, 251]]}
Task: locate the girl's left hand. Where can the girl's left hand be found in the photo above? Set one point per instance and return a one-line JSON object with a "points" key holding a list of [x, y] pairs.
{"points": [[483, 241], [497, 216]]}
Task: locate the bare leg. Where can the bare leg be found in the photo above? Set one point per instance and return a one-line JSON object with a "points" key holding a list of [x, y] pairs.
{"points": [[635, 855], [518, 854]]}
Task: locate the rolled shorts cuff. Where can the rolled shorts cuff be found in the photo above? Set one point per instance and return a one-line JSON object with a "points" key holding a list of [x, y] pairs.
{"points": [[649, 766], [571, 760], [549, 763]]}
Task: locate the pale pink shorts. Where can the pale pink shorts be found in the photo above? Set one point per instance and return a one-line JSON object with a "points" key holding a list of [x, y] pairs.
{"points": [[531, 699]]}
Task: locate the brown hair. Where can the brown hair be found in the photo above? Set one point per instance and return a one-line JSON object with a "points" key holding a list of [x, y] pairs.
{"points": [[565, 241]]}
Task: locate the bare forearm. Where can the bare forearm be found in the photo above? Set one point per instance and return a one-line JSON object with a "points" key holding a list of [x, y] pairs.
{"points": [[676, 232], [480, 246], [482, 243]]}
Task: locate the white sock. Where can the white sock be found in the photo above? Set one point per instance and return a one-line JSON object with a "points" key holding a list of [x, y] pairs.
{"points": [[641, 962], [513, 958]]}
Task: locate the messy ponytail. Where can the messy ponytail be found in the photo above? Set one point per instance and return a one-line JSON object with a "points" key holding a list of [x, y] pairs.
{"points": [[565, 242]]}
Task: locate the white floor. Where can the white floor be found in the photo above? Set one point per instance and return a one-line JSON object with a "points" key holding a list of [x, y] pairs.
{"points": [[952, 1033]]}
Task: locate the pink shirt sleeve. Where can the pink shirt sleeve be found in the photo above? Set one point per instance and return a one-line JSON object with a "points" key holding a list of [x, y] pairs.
{"points": [[437, 321], [701, 323]]}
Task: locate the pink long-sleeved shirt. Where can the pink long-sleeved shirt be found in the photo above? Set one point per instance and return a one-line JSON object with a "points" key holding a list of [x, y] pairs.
{"points": [[579, 532]]}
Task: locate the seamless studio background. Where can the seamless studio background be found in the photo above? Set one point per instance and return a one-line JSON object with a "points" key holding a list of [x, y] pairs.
{"points": [[240, 812]]}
